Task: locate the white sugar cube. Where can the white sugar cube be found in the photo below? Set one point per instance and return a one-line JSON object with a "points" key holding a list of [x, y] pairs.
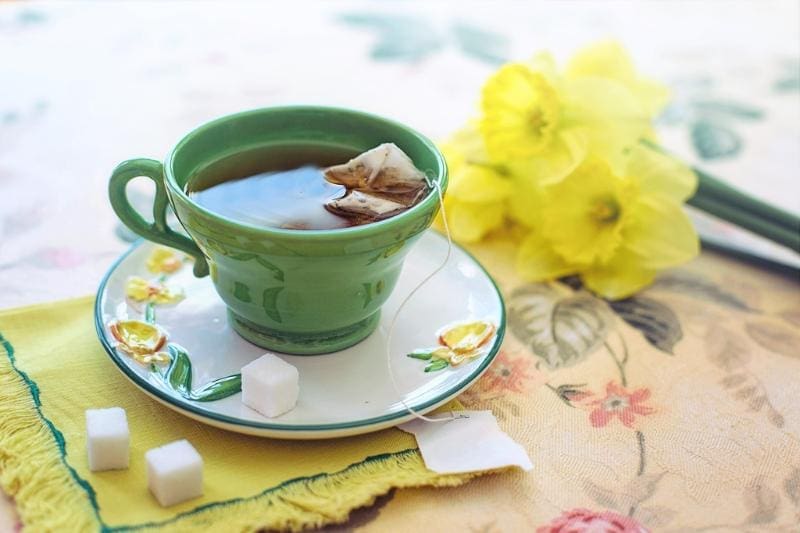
{"points": [[270, 385], [108, 440], [174, 472]]}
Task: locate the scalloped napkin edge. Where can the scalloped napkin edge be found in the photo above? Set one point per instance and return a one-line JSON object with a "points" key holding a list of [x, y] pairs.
{"points": [[473, 442]]}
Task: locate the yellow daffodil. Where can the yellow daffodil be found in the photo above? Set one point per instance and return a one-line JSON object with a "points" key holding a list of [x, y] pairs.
{"points": [[532, 115], [141, 290], [556, 158], [163, 261], [521, 112], [522, 123], [616, 231], [140, 340], [476, 195], [608, 115], [609, 60], [537, 261], [526, 201], [584, 215]]}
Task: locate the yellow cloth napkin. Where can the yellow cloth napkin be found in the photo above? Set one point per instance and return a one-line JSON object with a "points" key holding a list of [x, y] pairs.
{"points": [[52, 368]]}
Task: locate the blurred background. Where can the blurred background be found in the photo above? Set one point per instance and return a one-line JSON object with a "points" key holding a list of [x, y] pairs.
{"points": [[85, 85]]}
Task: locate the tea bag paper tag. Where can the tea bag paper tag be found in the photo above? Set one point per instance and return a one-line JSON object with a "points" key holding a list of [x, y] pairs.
{"points": [[470, 443]]}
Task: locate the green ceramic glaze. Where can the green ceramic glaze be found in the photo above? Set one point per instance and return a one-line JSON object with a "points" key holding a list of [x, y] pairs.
{"points": [[178, 378], [157, 231], [295, 291]]}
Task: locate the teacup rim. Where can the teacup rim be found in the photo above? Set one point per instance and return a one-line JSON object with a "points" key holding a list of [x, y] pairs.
{"points": [[353, 231]]}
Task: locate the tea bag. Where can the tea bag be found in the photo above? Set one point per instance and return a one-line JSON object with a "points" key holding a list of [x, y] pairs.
{"points": [[385, 168], [363, 205], [381, 182]]}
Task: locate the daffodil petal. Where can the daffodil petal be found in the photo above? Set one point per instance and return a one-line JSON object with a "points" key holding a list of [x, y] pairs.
{"points": [[545, 64], [652, 96], [566, 152], [613, 120], [621, 277], [661, 234], [454, 157], [574, 232], [660, 174], [478, 184], [609, 59], [597, 101], [463, 146], [606, 59], [468, 140], [470, 222], [537, 261], [526, 203]]}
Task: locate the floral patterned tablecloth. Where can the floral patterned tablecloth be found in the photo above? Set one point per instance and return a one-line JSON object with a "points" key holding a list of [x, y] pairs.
{"points": [[676, 409]]}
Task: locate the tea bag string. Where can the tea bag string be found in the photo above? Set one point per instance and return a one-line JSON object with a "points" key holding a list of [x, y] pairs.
{"points": [[434, 184]]}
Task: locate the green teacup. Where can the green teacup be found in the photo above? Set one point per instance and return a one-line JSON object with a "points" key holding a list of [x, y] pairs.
{"points": [[294, 291]]}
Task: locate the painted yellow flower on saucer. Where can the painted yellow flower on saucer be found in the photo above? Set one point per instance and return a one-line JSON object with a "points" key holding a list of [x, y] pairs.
{"points": [[141, 290], [163, 261], [140, 340]]}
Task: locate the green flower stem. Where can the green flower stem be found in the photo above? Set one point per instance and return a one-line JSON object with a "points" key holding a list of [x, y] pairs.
{"points": [[748, 220], [709, 187]]}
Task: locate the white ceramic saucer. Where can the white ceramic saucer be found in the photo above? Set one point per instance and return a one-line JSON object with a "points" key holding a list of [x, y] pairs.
{"points": [[343, 393]]}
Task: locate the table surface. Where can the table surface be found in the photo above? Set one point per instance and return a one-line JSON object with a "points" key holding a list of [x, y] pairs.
{"points": [[84, 86]]}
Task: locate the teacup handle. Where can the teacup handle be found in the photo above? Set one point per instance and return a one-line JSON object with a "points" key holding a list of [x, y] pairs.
{"points": [[158, 231]]}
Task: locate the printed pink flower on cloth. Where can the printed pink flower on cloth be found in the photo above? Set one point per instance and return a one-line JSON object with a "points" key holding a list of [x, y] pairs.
{"points": [[586, 521], [506, 374], [619, 403]]}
